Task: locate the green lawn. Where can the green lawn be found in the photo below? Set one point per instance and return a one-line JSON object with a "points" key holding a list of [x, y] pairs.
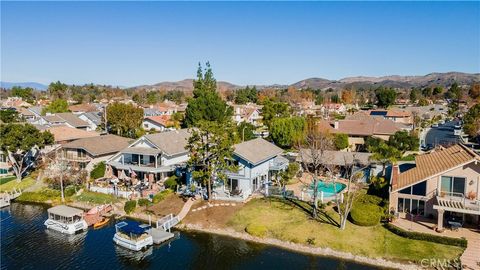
{"points": [[10, 185], [96, 198], [6, 179], [45, 195], [287, 221]]}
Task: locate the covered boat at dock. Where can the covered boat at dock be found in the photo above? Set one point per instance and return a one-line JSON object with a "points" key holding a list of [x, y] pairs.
{"points": [[132, 235], [65, 219]]}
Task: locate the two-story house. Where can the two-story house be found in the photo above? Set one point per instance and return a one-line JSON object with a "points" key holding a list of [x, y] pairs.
{"points": [[152, 155], [444, 183], [257, 160], [86, 152]]}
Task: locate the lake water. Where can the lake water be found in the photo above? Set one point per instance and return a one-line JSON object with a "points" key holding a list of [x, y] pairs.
{"points": [[26, 244]]}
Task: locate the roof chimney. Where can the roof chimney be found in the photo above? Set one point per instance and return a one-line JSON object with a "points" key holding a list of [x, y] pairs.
{"points": [[335, 124]]}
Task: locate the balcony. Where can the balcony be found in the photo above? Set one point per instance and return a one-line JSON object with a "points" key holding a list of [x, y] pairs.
{"points": [[457, 202], [75, 158]]}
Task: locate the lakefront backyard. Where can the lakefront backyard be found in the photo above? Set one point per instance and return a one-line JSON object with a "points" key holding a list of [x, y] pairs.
{"points": [[290, 221]]}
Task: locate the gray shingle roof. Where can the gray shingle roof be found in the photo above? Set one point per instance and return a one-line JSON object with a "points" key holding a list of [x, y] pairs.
{"points": [[257, 150], [101, 145], [338, 158], [170, 142], [72, 119]]}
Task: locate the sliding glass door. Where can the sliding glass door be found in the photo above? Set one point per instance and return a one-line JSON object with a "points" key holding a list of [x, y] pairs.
{"points": [[453, 186]]}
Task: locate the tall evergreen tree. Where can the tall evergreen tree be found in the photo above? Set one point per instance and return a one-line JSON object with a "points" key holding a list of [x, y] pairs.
{"points": [[206, 104]]}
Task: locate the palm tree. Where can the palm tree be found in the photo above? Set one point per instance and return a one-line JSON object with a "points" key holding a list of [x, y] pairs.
{"points": [[384, 154]]}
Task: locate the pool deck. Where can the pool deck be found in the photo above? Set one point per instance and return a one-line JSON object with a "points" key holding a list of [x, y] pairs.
{"points": [[305, 179]]}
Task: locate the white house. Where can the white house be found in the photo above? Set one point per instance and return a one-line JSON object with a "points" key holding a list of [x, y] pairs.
{"points": [[94, 119], [158, 123], [258, 160], [153, 155]]}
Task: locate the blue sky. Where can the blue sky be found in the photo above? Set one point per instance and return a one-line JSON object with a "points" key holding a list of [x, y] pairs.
{"points": [[132, 43]]}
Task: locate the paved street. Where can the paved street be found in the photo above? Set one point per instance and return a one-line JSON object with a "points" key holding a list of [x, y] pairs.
{"points": [[442, 135]]}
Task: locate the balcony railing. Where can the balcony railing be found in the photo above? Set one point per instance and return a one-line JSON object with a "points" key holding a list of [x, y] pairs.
{"points": [[75, 158]]}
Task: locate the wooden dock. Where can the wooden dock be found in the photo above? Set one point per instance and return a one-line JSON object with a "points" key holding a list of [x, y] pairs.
{"points": [[6, 197], [159, 236]]}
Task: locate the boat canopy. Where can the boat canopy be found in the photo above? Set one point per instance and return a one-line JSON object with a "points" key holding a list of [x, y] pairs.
{"points": [[65, 211], [131, 227]]}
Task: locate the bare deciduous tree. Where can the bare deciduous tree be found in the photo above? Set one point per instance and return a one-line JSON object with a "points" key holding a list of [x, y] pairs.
{"points": [[312, 155], [346, 200]]}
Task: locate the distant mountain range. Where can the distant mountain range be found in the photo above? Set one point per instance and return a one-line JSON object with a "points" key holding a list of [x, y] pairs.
{"points": [[34, 85], [396, 81]]}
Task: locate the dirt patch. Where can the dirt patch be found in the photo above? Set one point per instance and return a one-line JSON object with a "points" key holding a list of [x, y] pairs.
{"points": [[215, 216], [170, 205]]}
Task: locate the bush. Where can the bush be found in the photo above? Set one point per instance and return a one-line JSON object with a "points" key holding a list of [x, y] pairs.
{"points": [[460, 242], [130, 206], [70, 191], [256, 230], [143, 202], [161, 195], [98, 170], [171, 182], [366, 211]]}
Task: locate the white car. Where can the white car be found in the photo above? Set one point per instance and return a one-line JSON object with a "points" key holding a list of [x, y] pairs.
{"points": [[434, 125]]}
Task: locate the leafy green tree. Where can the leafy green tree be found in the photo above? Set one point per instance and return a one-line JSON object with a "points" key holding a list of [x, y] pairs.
{"points": [[243, 96], [427, 92], [287, 131], [21, 143], [206, 104], [211, 148], [472, 121], [124, 119], [404, 141], [414, 95], [177, 119], [273, 110], [56, 106], [341, 141], [58, 90], [372, 142], [25, 93], [78, 98], [152, 97], [335, 99], [385, 96], [319, 99], [384, 154], [176, 96], [245, 131], [454, 92], [9, 116], [437, 90]]}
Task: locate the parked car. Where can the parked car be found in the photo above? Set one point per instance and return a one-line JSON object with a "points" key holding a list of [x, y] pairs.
{"points": [[435, 125]]}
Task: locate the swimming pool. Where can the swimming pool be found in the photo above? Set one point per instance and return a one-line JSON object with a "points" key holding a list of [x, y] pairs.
{"points": [[328, 188]]}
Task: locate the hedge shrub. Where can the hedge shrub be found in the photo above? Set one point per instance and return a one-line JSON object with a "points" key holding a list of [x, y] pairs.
{"points": [[130, 206], [256, 230], [161, 195], [171, 182], [98, 170], [461, 242], [366, 211], [143, 202]]}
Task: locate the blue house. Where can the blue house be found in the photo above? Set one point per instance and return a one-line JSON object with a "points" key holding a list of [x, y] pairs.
{"points": [[258, 161]]}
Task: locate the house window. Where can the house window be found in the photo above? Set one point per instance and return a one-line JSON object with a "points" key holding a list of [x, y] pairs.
{"points": [[453, 186], [420, 189], [81, 153]]}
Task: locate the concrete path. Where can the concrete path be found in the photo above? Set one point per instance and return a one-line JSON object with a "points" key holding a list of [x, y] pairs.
{"points": [[185, 209], [471, 256]]}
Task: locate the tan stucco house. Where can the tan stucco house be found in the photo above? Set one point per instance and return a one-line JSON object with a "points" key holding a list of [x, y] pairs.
{"points": [[444, 183]]}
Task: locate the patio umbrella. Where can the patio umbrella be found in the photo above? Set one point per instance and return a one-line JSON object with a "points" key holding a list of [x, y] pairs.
{"points": [[108, 172], [122, 175]]}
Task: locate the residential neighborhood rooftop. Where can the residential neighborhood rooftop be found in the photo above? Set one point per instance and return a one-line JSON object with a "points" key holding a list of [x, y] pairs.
{"points": [[100, 145], [170, 142], [63, 133], [433, 163], [257, 150]]}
